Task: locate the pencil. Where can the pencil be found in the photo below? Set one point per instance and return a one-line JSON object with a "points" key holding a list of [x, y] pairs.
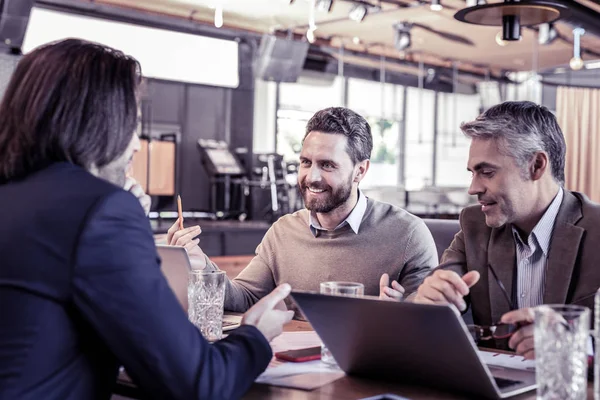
{"points": [[180, 212]]}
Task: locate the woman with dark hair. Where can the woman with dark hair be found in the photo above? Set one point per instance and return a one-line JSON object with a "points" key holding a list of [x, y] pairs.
{"points": [[81, 291]]}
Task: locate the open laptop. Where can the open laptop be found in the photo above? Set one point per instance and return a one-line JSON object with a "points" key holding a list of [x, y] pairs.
{"points": [[175, 266], [408, 342]]}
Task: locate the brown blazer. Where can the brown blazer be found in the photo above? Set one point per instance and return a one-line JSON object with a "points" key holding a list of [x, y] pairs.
{"points": [[573, 274]]}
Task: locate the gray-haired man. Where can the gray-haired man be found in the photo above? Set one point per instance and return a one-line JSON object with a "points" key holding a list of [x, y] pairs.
{"points": [[540, 239]]}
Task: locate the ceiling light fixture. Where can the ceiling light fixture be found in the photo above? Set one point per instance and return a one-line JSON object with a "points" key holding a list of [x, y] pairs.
{"points": [[402, 39], [547, 34], [512, 14], [576, 62], [324, 5], [358, 13], [436, 5], [219, 16], [312, 25]]}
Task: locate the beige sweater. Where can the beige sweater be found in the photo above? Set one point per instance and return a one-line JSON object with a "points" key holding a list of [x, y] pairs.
{"points": [[389, 240]]}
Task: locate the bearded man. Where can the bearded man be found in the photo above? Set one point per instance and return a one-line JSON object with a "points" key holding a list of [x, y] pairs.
{"points": [[341, 235]]}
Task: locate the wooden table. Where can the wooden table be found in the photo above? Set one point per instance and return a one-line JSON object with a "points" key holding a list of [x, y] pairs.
{"points": [[346, 388]]}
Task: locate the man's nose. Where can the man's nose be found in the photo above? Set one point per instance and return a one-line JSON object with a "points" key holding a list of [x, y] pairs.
{"points": [[314, 175], [476, 187]]}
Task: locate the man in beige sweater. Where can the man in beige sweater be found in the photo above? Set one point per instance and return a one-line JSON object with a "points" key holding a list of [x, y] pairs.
{"points": [[341, 235]]}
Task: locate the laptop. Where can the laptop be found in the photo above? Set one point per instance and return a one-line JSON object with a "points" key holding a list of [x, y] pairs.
{"points": [[175, 266], [402, 341]]}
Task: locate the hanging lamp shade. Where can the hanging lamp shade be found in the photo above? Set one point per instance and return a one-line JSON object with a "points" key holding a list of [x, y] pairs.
{"points": [[512, 14]]}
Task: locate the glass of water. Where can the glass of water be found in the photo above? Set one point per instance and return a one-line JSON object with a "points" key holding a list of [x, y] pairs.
{"points": [[206, 297], [561, 333], [351, 289]]}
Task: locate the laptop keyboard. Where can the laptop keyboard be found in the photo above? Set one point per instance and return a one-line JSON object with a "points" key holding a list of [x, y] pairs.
{"points": [[505, 383]]}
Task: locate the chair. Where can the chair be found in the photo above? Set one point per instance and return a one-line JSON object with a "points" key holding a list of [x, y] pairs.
{"points": [[443, 231]]}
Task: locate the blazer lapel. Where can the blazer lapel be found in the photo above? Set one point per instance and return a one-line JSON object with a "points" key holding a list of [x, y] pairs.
{"points": [[502, 258], [563, 250]]}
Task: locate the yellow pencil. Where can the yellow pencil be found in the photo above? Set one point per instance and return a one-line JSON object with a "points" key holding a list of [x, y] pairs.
{"points": [[180, 212]]}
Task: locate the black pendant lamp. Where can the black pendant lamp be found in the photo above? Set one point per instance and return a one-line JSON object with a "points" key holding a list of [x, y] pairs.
{"points": [[511, 15]]}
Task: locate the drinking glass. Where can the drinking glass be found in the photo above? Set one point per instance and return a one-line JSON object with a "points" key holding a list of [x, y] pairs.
{"points": [[350, 289], [561, 333], [206, 298]]}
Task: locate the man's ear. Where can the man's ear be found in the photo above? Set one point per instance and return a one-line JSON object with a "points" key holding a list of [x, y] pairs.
{"points": [[539, 165], [360, 170]]}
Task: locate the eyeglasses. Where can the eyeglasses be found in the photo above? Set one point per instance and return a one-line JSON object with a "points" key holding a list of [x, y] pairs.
{"points": [[499, 330]]}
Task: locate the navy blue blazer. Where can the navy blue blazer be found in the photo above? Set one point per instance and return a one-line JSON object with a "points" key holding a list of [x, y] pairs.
{"points": [[81, 292]]}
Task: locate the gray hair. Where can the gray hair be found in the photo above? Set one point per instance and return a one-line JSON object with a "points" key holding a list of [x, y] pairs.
{"points": [[345, 122], [521, 129]]}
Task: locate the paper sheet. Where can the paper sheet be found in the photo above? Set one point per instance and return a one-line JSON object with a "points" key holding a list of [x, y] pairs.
{"points": [[507, 360], [305, 375]]}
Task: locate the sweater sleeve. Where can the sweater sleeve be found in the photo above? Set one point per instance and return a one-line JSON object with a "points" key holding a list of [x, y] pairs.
{"points": [[420, 258], [253, 283]]}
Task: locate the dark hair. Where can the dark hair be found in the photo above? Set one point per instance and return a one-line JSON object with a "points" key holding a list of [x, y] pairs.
{"points": [[70, 101], [522, 128], [343, 121]]}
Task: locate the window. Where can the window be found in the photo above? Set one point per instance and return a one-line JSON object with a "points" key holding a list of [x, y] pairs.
{"points": [[182, 57], [381, 105]]}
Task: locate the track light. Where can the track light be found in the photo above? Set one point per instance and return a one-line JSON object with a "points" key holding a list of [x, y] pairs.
{"points": [[324, 5], [402, 39], [436, 5], [546, 34], [358, 13], [576, 62]]}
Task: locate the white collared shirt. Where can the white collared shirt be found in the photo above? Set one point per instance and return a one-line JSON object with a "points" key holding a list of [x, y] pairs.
{"points": [[354, 219], [532, 257]]}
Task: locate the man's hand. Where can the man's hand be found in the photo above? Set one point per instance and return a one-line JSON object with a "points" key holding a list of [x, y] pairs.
{"points": [[446, 287], [266, 315], [185, 238], [135, 188], [396, 292], [522, 340]]}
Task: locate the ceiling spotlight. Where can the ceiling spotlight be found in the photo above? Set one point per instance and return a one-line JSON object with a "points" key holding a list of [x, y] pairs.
{"points": [[310, 35], [436, 5], [356, 40], [402, 39], [219, 16], [576, 62], [324, 5], [546, 34], [358, 13]]}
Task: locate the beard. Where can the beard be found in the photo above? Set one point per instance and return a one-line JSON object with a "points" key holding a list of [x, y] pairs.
{"points": [[332, 199]]}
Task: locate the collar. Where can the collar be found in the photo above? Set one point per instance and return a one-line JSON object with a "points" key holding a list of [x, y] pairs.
{"points": [[542, 232], [354, 219]]}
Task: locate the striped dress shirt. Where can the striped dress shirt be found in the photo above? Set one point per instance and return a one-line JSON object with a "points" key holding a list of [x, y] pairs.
{"points": [[532, 257]]}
